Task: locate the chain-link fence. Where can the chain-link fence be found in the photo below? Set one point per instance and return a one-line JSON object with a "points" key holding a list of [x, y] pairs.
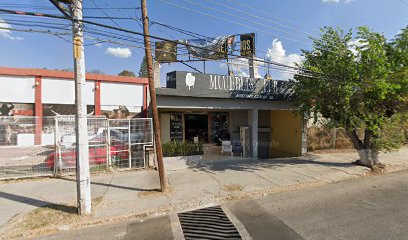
{"points": [[33, 146], [25, 143], [128, 140]]}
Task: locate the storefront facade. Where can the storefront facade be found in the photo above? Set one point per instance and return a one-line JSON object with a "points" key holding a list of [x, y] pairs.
{"points": [[211, 108]]}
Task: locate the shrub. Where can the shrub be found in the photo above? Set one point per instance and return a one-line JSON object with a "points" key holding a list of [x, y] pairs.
{"points": [[177, 148]]}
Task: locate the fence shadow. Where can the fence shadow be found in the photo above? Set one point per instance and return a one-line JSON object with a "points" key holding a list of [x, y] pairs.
{"points": [[38, 203], [115, 186]]}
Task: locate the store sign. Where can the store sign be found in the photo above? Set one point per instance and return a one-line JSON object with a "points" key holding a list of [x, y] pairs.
{"points": [[221, 52], [247, 45], [219, 86], [166, 51]]}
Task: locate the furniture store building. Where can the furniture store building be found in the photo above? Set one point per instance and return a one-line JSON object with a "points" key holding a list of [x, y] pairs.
{"points": [[253, 113]]}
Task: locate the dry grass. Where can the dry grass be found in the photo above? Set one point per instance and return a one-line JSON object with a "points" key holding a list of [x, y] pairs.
{"points": [[36, 221], [233, 188], [321, 139], [47, 219]]}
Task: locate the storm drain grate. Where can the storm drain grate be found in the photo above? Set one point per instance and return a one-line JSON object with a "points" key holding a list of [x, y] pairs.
{"points": [[207, 223]]}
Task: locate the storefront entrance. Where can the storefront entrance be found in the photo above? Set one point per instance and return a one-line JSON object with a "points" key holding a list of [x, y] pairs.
{"points": [[196, 125]]}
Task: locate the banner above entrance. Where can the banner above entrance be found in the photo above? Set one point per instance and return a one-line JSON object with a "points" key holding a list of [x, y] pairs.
{"points": [[219, 86]]}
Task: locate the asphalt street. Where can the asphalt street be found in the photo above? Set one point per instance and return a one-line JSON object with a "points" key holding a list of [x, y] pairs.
{"points": [[369, 208]]}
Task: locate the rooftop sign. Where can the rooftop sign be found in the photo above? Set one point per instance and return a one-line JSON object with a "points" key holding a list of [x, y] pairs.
{"points": [[219, 86]]}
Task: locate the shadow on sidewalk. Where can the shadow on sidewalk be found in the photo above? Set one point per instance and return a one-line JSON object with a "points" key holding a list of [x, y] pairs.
{"points": [[115, 186], [38, 203], [254, 165]]}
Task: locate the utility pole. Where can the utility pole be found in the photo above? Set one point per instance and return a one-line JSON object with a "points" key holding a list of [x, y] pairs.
{"points": [[81, 122], [149, 58]]}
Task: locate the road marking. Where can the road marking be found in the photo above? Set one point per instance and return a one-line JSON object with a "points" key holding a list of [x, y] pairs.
{"points": [[238, 225]]}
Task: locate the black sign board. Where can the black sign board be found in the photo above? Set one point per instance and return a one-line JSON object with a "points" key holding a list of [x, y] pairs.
{"points": [[219, 86], [166, 51], [176, 127], [247, 45]]}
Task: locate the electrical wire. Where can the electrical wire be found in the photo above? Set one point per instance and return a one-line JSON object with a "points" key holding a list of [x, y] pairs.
{"points": [[237, 63], [262, 18], [271, 15], [156, 37], [231, 21], [240, 17]]}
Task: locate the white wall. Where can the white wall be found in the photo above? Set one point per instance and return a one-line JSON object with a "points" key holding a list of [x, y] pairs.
{"points": [[17, 89], [127, 94], [62, 91]]}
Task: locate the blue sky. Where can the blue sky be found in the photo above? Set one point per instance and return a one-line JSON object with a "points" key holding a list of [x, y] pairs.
{"points": [[283, 37]]}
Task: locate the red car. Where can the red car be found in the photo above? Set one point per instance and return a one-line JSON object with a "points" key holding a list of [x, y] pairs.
{"points": [[97, 155]]}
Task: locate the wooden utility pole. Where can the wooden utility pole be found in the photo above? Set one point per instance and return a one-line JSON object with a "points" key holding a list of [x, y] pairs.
{"points": [[149, 58], [81, 128]]}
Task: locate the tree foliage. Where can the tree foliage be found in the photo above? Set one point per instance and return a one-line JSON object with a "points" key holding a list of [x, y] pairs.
{"points": [[143, 68], [364, 83], [127, 73]]}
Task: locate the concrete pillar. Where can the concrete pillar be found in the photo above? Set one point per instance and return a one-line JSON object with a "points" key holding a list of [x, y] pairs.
{"points": [[251, 68], [304, 135], [97, 98], [38, 111], [156, 74], [253, 123]]}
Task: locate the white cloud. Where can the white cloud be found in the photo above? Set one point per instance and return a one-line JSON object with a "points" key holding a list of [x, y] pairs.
{"points": [[238, 65], [6, 33], [119, 52], [278, 54], [355, 45], [99, 45], [337, 1]]}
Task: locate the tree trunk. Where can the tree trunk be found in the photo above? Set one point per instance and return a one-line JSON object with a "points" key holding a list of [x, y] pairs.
{"points": [[367, 154], [368, 157]]}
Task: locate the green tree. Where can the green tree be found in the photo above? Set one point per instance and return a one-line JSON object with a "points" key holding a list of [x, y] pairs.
{"points": [[143, 68], [363, 84], [126, 73]]}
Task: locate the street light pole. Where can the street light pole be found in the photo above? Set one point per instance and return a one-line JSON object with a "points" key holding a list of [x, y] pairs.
{"points": [[149, 58], [81, 124]]}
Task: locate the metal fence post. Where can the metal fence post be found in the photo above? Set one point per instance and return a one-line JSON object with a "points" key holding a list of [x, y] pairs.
{"points": [[130, 146], [105, 138], [109, 145], [333, 137], [55, 145]]}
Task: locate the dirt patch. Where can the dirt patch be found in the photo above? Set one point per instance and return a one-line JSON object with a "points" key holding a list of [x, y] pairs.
{"points": [[156, 192], [233, 188], [48, 219]]}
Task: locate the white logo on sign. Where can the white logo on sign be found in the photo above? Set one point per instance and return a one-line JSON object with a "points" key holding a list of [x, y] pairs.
{"points": [[190, 81]]}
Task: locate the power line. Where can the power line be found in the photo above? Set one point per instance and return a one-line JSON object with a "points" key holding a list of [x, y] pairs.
{"points": [[99, 40], [230, 21], [270, 14], [25, 6], [155, 37], [236, 23], [261, 18], [35, 31], [186, 32], [238, 16]]}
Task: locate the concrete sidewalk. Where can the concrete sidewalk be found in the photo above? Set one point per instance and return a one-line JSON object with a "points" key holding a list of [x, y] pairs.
{"points": [[126, 195]]}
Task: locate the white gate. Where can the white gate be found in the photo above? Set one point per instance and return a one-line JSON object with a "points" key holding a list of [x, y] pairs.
{"points": [[128, 140]]}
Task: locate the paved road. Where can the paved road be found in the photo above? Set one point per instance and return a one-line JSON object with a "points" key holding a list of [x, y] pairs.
{"points": [[368, 208]]}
